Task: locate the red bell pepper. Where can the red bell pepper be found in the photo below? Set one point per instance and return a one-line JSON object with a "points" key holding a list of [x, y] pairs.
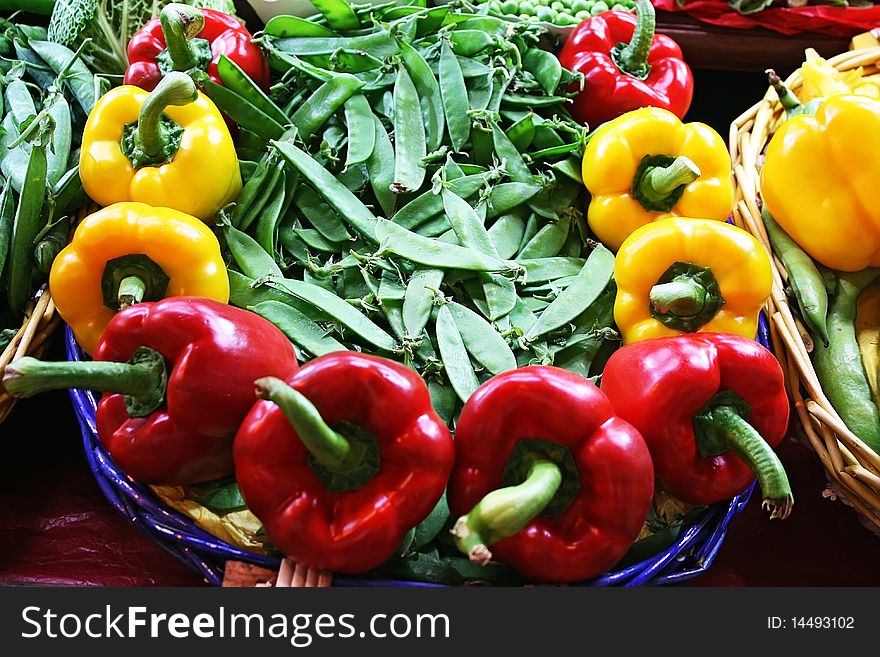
{"points": [[626, 66], [183, 38], [548, 476], [341, 463], [179, 378], [711, 406]]}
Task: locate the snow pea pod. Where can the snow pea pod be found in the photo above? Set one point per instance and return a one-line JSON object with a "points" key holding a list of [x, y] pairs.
{"points": [[454, 95], [338, 13], [419, 299], [480, 91], [549, 269], [68, 66], [577, 297], [548, 241], [346, 61], [36, 67], [361, 134], [240, 82], [482, 341], [7, 218], [25, 228], [271, 213], [545, 67], [429, 204], [273, 182], [432, 252], [409, 136], [467, 43], [378, 44], [505, 197], [59, 148], [321, 215], [506, 234], [294, 26], [19, 102], [241, 110], [299, 328], [430, 98], [251, 258], [510, 157], [522, 132], [454, 355], [324, 102], [50, 243], [380, 166]]}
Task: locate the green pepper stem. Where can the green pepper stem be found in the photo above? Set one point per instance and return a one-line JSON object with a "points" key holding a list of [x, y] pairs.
{"points": [[725, 424], [506, 511], [682, 297], [174, 89], [28, 376], [659, 182], [786, 97], [632, 58], [180, 23], [131, 291], [330, 448]]}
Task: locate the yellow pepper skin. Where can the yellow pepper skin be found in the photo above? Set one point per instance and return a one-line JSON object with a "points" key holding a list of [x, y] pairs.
{"points": [[612, 158], [736, 262], [183, 247], [201, 177], [820, 182]]}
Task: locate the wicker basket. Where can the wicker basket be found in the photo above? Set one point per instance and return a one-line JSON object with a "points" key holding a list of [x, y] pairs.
{"points": [[691, 554], [853, 469]]}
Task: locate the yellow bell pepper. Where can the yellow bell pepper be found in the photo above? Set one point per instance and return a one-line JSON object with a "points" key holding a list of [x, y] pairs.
{"points": [[684, 275], [131, 252], [647, 165], [819, 181], [167, 148]]}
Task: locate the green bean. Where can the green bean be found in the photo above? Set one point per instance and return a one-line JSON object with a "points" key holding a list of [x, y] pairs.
{"points": [[25, 228], [240, 82], [577, 297], [431, 252], [341, 311], [429, 204], [267, 223], [505, 197], [339, 14], [803, 276], [545, 67], [361, 134], [839, 366], [549, 269], [454, 355], [298, 328], [409, 136], [547, 242], [321, 215], [378, 44], [419, 299], [346, 204], [65, 63], [482, 341], [241, 110], [430, 98], [454, 94], [294, 26], [380, 166], [7, 217], [506, 234], [324, 102]]}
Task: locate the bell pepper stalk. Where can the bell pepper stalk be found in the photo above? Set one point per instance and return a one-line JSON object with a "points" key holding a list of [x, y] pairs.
{"points": [[793, 107], [646, 166], [128, 253], [167, 148], [711, 408], [340, 460], [684, 275], [625, 66], [185, 38], [177, 377], [818, 182], [547, 479]]}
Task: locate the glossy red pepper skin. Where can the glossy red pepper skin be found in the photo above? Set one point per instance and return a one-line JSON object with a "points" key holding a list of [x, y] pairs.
{"points": [[658, 385], [226, 35], [607, 91], [358, 530], [214, 352], [612, 461]]}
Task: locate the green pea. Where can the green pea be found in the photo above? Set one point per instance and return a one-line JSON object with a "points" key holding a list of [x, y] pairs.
{"points": [[619, 7], [582, 15], [510, 7], [565, 18], [544, 14], [558, 6], [599, 7], [579, 5]]}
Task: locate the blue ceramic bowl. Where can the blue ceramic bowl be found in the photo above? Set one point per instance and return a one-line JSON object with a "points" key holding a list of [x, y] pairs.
{"points": [[690, 555]]}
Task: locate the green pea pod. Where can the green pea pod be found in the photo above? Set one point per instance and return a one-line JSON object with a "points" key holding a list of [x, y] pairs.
{"points": [[505, 197], [68, 194], [314, 240], [434, 227], [14, 162], [271, 186], [570, 167], [548, 241], [419, 299], [251, 258], [427, 205], [339, 310], [444, 401], [267, 222], [294, 26], [550, 269], [346, 61], [390, 289], [467, 225], [482, 341], [430, 97], [59, 147], [321, 215], [241, 110], [380, 166], [240, 82], [803, 276], [346, 204], [577, 297], [525, 101], [553, 199], [19, 102], [506, 234], [76, 75], [522, 132], [510, 157], [7, 218], [378, 44], [467, 43], [25, 228], [323, 103], [454, 355], [522, 318], [455, 99], [432, 252], [36, 67], [480, 91], [339, 14], [839, 366], [299, 329], [48, 246], [361, 134], [409, 136], [545, 67]]}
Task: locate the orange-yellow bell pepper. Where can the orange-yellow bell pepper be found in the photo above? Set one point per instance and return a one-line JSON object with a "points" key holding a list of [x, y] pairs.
{"points": [[131, 252], [647, 165], [167, 148], [684, 275]]}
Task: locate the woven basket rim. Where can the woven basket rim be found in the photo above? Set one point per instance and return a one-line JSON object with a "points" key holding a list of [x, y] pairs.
{"points": [[852, 468]]}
